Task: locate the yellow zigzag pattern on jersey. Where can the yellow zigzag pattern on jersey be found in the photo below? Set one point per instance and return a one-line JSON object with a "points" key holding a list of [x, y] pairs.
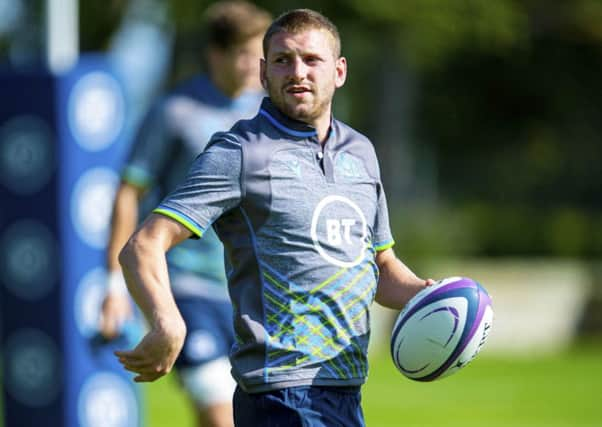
{"points": [[316, 329], [316, 350]]}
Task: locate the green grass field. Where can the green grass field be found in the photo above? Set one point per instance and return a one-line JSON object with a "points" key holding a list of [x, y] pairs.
{"points": [[552, 391], [563, 390]]}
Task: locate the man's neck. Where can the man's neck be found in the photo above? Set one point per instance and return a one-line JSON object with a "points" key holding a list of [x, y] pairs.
{"points": [[322, 125]]}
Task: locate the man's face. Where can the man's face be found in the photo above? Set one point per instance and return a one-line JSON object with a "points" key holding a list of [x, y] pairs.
{"points": [[239, 65], [301, 73]]}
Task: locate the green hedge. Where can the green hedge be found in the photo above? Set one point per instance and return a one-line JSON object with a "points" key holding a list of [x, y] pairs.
{"points": [[477, 229]]}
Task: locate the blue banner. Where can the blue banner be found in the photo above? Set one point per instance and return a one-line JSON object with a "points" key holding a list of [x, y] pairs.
{"points": [[62, 141]]}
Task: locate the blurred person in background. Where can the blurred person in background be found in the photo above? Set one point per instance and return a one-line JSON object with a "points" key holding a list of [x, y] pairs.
{"points": [[173, 133]]}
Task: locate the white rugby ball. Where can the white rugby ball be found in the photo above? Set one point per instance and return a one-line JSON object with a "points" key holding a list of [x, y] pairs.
{"points": [[441, 329]]}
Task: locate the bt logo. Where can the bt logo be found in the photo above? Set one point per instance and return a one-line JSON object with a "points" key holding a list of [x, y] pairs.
{"points": [[339, 231], [333, 230]]}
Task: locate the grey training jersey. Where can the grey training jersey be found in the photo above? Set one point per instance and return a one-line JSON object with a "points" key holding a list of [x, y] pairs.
{"points": [[301, 228], [174, 132]]}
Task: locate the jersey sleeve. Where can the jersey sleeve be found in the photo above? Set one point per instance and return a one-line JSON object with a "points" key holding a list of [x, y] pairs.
{"points": [[383, 238], [212, 186], [150, 151]]}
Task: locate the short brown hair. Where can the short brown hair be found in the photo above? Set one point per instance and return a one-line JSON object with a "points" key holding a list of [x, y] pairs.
{"points": [[229, 23], [298, 20]]}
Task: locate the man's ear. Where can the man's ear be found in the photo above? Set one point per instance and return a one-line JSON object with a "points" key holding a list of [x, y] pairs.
{"points": [[341, 72]]}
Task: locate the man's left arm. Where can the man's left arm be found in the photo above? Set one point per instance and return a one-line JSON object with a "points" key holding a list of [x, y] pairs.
{"points": [[397, 284]]}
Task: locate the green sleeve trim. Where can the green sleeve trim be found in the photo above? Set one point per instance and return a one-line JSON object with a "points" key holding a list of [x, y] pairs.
{"points": [[195, 229], [384, 246]]}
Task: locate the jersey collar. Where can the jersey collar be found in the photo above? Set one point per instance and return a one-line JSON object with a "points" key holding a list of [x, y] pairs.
{"points": [[284, 123]]}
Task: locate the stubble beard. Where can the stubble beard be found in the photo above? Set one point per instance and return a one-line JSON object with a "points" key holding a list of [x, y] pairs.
{"points": [[307, 114]]}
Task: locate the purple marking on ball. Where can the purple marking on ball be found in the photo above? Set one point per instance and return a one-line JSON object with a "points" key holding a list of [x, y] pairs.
{"points": [[483, 302], [458, 284], [461, 283]]}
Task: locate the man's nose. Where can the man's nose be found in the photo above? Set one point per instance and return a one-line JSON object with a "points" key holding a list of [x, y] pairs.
{"points": [[298, 68]]}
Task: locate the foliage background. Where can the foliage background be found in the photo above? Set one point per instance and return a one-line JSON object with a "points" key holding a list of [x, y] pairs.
{"points": [[487, 116]]}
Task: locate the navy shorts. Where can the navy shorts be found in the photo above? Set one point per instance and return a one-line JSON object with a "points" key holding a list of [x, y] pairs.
{"points": [[307, 406], [209, 333]]}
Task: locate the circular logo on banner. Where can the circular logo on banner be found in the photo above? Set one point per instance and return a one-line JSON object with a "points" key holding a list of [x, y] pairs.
{"points": [[28, 264], [339, 230], [107, 400], [96, 111], [26, 155], [32, 367], [88, 300], [92, 204]]}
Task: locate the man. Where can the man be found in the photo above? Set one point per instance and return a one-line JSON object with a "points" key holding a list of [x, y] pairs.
{"points": [[172, 135], [295, 196]]}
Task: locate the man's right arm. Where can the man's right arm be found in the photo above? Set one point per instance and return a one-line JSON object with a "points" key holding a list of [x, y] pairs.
{"points": [[147, 160], [145, 269], [212, 187]]}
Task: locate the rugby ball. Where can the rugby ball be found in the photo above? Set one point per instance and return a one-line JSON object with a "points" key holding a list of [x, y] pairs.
{"points": [[441, 329]]}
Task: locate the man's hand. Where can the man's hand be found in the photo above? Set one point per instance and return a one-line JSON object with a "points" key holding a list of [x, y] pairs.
{"points": [[156, 354], [144, 267]]}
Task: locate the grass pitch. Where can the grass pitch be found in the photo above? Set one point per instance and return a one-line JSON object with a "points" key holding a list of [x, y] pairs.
{"points": [[563, 390], [554, 391]]}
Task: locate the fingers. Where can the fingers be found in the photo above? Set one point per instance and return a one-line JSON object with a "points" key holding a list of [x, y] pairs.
{"points": [[153, 357], [143, 378], [146, 371], [144, 367], [131, 356], [123, 353], [138, 367], [147, 368]]}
